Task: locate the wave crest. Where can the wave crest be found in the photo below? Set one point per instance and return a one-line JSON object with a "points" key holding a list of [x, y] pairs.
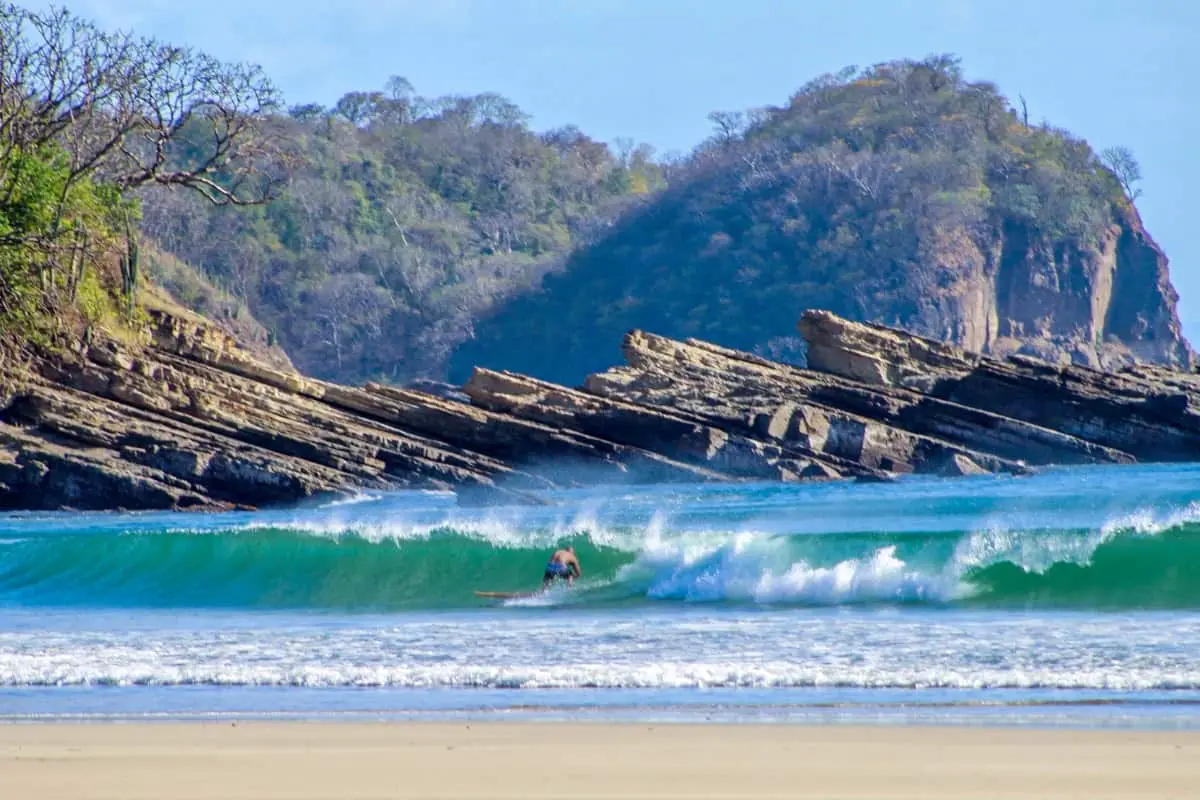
{"points": [[1134, 561]]}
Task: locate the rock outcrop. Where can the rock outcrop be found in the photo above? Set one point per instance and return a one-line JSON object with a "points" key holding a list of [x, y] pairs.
{"points": [[1104, 304], [191, 421], [1142, 412]]}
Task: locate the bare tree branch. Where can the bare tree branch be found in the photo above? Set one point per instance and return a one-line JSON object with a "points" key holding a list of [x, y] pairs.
{"points": [[134, 112], [1123, 165]]}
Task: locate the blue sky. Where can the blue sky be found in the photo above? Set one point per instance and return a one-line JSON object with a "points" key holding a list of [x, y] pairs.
{"points": [[1113, 71]]}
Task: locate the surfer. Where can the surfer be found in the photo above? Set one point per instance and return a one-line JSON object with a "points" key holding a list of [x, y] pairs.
{"points": [[563, 566]]}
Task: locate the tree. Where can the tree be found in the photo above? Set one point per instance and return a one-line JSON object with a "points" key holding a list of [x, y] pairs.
{"points": [[482, 109], [1122, 163], [399, 88], [359, 108], [397, 107], [729, 125], [133, 111], [87, 117], [350, 313], [307, 112]]}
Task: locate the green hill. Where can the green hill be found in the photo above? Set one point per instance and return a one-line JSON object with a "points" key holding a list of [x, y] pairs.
{"points": [[901, 194], [406, 219], [418, 237]]}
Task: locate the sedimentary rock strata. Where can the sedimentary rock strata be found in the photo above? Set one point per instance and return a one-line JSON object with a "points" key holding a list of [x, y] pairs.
{"points": [[189, 420]]}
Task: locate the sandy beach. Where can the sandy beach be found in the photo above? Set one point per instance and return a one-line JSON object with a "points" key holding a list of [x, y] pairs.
{"points": [[174, 761]]}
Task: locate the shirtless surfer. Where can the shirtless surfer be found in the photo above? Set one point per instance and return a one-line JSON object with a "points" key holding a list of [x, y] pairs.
{"points": [[563, 566]]}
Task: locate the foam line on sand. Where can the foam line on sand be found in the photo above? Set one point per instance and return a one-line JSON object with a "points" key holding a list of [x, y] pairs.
{"points": [[240, 761]]}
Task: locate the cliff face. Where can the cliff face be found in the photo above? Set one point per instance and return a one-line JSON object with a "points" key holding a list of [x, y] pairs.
{"points": [[1143, 312], [1109, 305]]}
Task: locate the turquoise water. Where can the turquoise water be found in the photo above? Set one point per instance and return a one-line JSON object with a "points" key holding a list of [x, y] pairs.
{"points": [[1066, 598]]}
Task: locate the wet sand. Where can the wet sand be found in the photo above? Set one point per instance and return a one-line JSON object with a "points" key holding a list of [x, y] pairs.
{"points": [[178, 761]]}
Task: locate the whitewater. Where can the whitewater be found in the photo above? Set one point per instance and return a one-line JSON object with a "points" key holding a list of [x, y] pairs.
{"points": [[1068, 597]]}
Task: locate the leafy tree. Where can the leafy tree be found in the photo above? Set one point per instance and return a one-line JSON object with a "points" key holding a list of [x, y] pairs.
{"points": [[134, 111], [359, 108], [728, 125]]}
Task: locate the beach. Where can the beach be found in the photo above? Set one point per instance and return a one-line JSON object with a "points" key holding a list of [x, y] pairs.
{"points": [[244, 760]]}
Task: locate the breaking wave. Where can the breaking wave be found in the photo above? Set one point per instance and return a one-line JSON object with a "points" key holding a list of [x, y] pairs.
{"points": [[1135, 561]]}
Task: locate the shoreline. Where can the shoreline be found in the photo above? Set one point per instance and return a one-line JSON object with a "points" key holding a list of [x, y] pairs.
{"points": [[1100, 714], [1029, 709], [496, 759]]}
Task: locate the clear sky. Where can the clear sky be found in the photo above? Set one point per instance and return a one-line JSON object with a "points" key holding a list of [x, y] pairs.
{"points": [[1113, 71]]}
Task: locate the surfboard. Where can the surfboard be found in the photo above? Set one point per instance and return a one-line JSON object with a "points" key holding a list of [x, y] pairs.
{"points": [[503, 595]]}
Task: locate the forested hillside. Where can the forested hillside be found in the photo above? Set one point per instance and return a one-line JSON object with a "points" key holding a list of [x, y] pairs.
{"points": [[407, 219], [419, 237], [395, 236], [901, 194]]}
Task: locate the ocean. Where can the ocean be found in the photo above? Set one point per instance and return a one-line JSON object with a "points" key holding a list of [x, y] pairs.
{"points": [[1066, 598]]}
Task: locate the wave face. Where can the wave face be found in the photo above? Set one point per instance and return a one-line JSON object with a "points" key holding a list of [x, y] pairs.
{"points": [[273, 568], [1059, 541]]}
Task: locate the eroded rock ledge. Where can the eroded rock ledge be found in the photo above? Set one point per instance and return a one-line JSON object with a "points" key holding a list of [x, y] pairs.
{"points": [[192, 421]]}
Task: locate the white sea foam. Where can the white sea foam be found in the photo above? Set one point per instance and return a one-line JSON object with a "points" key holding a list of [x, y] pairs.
{"points": [[660, 676], [1149, 522], [882, 577], [499, 529], [1032, 551], [666, 673], [756, 567], [1037, 550], [353, 500]]}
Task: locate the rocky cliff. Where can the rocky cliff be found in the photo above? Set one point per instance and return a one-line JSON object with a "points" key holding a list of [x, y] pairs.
{"points": [[1107, 303], [192, 421]]}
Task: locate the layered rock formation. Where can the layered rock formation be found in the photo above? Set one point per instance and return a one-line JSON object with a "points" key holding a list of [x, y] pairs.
{"points": [[1143, 412], [192, 421]]}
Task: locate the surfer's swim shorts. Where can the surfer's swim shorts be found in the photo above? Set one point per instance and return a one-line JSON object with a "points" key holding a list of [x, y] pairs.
{"points": [[555, 570]]}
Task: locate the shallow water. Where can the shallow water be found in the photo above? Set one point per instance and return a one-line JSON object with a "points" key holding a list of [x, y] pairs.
{"points": [[1067, 598]]}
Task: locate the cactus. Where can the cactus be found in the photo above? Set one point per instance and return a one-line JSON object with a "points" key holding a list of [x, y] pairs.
{"points": [[130, 266]]}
